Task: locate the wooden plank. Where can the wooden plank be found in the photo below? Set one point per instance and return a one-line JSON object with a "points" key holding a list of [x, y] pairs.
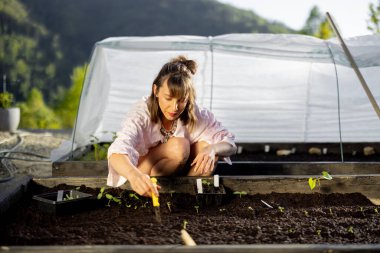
{"points": [[368, 185], [258, 248]]}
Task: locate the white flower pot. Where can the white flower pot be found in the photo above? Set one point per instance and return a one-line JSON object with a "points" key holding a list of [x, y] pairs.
{"points": [[9, 119]]}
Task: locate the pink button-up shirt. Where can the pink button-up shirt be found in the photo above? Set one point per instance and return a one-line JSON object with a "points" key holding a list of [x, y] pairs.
{"points": [[138, 134]]}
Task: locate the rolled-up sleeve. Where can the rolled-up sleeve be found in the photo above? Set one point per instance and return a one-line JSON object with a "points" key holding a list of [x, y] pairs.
{"points": [[129, 141], [212, 131]]}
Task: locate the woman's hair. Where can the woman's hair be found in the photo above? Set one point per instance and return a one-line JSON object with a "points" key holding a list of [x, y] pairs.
{"points": [[178, 74]]}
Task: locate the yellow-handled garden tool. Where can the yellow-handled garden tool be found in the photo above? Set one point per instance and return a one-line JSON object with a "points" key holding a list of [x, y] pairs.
{"points": [[155, 201]]}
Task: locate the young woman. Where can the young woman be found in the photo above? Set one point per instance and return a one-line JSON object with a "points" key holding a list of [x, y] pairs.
{"points": [[168, 134]]}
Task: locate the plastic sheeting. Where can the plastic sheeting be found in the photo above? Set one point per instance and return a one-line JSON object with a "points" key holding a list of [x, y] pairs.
{"points": [[264, 88]]}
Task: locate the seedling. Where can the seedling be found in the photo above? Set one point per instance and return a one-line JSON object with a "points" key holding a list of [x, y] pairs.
{"points": [[206, 182], [252, 210], [184, 224], [128, 205], [68, 197], [196, 208], [222, 209], [330, 210], [313, 181], [350, 229], [171, 193], [100, 195], [282, 209], [133, 195], [318, 232], [240, 193], [291, 230], [112, 198], [376, 211], [306, 213], [169, 204], [362, 210]]}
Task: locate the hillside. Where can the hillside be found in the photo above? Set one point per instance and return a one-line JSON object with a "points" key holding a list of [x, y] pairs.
{"points": [[81, 23]]}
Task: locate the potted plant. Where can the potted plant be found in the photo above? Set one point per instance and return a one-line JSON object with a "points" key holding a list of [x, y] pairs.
{"points": [[9, 116]]}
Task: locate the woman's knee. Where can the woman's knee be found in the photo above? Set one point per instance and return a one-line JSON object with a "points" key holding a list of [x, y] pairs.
{"points": [[179, 149]]}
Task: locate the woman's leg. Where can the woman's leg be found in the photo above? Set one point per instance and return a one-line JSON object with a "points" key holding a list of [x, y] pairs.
{"points": [[195, 148], [165, 159]]}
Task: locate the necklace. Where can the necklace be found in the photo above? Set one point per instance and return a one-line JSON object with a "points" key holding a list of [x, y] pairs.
{"points": [[168, 133]]}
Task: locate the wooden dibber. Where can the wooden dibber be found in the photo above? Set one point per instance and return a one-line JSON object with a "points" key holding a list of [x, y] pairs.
{"points": [[186, 238]]}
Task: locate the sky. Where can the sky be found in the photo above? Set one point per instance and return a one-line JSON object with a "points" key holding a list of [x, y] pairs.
{"points": [[350, 15]]}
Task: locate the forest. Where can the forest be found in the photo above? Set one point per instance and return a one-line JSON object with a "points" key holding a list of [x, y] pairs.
{"points": [[45, 45]]}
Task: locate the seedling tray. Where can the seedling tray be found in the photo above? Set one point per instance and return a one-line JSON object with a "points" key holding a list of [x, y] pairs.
{"points": [[69, 201]]}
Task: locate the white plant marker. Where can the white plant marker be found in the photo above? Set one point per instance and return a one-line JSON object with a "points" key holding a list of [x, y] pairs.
{"points": [[216, 180], [239, 149], [60, 195], [266, 148], [199, 186], [324, 151], [266, 204]]}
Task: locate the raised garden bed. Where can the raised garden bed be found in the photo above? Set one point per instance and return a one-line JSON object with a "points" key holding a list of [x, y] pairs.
{"points": [[338, 213]]}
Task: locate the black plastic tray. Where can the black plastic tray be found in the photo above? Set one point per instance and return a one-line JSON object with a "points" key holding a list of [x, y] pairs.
{"points": [[72, 201]]}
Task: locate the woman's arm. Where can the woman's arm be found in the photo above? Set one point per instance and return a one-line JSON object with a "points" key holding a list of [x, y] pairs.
{"points": [[204, 161], [139, 181], [224, 149]]}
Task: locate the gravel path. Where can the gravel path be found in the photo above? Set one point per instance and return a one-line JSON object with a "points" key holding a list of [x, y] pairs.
{"points": [[36, 141]]}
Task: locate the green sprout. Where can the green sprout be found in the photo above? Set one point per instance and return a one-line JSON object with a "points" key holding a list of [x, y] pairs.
{"points": [[184, 224], [128, 205], [206, 182], [169, 204], [350, 229], [362, 210], [133, 195], [240, 193], [100, 195], [282, 209], [330, 210], [313, 181], [318, 232], [112, 198], [306, 213], [196, 208], [376, 211], [222, 209], [171, 193]]}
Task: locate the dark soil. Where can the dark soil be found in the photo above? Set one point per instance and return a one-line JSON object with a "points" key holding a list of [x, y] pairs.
{"points": [[294, 218]]}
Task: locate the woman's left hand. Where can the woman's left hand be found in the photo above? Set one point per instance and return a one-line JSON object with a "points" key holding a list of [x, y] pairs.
{"points": [[204, 161]]}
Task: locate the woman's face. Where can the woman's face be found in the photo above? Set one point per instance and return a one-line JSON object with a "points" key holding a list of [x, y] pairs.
{"points": [[170, 106]]}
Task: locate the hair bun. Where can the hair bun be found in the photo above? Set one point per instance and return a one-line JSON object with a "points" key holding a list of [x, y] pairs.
{"points": [[190, 64]]}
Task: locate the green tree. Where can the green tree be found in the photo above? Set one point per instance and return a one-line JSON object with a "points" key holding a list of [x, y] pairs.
{"points": [[35, 113], [313, 22], [28, 52], [68, 106], [373, 24]]}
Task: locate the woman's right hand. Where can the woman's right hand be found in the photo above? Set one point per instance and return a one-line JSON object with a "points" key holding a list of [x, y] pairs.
{"points": [[142, 184]]}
